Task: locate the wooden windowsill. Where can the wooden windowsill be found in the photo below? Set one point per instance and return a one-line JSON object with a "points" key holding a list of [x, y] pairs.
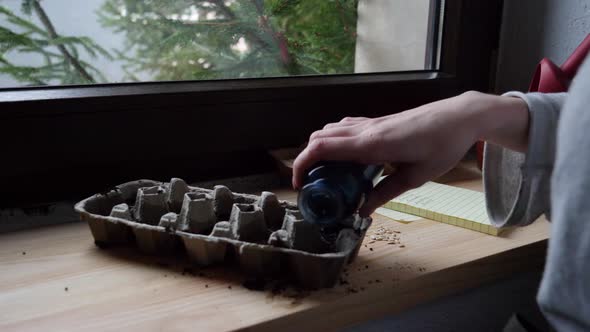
{"points": [[55, 278]]}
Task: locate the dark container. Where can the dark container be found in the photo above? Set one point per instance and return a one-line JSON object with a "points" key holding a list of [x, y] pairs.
{"points": [[333, 191]]}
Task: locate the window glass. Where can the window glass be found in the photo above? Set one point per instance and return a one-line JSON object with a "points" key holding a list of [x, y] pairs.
{"points": [[64, 42]]}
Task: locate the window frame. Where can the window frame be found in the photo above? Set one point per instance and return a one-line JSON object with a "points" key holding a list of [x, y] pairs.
{"points": [[69, 141]]}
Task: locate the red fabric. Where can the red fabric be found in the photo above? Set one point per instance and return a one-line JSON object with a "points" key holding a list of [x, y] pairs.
{"points": [[549, 78]]}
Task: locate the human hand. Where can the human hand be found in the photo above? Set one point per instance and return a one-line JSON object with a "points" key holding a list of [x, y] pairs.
{"points": [[422, 143]]}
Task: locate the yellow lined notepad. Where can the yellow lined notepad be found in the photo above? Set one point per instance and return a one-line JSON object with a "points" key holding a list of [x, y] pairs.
{"points": [[404, 218], [451, 205]]}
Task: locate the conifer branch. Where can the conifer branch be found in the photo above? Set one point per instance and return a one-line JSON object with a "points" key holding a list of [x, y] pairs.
{"points": [[62, 49]]}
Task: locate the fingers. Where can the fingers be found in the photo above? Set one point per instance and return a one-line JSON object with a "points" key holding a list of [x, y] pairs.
{"points": [[325, 148], [346, 122], [333, 132], [402, 180], [334, 142], [344, 128]]}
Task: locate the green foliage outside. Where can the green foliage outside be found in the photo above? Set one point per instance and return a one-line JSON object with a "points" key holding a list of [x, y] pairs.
{"points": [[190, 40], [62, 63]]}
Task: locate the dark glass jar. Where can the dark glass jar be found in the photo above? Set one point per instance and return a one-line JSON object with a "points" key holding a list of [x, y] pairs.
{"points": [[333, 191]]}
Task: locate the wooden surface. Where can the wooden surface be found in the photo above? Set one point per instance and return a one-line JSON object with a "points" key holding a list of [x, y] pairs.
{"points": [[55, 279]]}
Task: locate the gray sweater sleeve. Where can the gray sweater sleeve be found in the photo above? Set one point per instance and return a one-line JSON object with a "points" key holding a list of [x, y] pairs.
{"points": [[517, 186]]}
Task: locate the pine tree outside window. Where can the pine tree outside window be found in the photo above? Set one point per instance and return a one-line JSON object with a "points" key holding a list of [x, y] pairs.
{"points": [[64, 42]]}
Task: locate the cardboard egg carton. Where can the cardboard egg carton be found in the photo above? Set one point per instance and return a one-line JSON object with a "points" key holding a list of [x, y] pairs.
{"points": [[266, 236]]}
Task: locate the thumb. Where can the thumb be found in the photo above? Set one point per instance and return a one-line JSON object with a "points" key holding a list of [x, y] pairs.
{"points": [[403, 179]]}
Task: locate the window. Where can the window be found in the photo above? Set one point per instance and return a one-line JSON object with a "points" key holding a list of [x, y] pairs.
{"points": [[69, 138], [65, 42]]}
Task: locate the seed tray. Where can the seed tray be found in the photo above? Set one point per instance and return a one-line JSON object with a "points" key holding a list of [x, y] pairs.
{"points": [[266, 236]]}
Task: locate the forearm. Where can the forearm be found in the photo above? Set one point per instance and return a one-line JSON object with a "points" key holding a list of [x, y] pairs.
{"points": [[517, 184], [500, 120]]}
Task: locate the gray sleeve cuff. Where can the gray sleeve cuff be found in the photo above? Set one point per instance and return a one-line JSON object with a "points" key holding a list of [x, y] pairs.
{"points": [[517, 186]]}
